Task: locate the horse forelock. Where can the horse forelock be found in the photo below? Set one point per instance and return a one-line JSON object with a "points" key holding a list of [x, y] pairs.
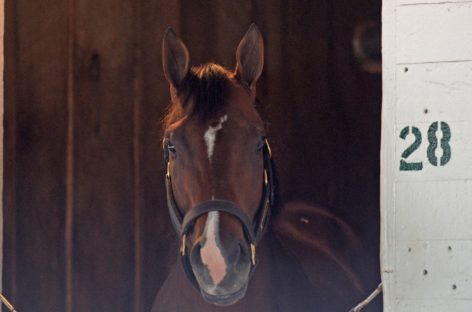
{"points": [[202, 94]]}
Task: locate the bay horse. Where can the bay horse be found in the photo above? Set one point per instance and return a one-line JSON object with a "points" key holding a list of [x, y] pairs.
{"points": [[221, 192]]}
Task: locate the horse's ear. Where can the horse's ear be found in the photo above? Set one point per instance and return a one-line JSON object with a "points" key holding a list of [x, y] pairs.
{"points": [[175, 58], [250, 56]]}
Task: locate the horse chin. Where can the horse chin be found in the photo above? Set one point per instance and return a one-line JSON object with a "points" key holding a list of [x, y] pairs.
{"points": [[230, 289], [226, 299]]}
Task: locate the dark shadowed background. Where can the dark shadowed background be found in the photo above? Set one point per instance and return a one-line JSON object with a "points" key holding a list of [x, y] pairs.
{"points": [[86, 223]]}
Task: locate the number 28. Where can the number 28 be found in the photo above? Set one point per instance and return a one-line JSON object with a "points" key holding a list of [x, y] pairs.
{"points": [[433, 145]]}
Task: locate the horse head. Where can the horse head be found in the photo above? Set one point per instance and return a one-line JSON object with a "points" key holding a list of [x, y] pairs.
{"points": [[218, 180]]}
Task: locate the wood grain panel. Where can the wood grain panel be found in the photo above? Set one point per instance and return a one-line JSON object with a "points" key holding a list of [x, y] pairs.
{"points": [[37, 138], [322, 113], [233, 18], [270, 17], [198, 30], [137, 194], [356, 99], [307, 39], [159, 241], [9, 157], [103, 157]]}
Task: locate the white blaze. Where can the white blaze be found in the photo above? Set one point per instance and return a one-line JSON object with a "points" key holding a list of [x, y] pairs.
{"points": [[210, 253], [210, 136]]}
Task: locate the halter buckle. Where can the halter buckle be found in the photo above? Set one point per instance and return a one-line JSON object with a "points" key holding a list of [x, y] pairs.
{"points": [[269, 151], [253, 254], [182, 246]]}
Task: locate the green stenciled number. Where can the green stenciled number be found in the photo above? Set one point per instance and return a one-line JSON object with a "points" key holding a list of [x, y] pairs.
{"points": [[411, 166], [446, 130], [433, 143]]}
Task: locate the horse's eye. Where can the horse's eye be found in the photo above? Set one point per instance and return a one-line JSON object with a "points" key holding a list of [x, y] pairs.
{"points": [[171, 148]]}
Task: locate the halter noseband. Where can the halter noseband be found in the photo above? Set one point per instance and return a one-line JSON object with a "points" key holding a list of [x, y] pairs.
{"points": [[253, 229]]}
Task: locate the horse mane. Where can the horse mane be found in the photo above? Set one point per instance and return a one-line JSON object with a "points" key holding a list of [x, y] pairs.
{"points": [[206, 85]]}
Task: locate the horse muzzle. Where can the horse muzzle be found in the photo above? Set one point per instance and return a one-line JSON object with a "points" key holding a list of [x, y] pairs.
{"points": [[221, 267], [230, 289]]}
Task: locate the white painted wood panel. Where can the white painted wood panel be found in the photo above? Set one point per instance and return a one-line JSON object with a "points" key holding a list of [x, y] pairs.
{"points": [[387, 211], [432, 270], [422, 2], [433, 91], [434, 33], [426, 214], [426, 211], [443, 305]]}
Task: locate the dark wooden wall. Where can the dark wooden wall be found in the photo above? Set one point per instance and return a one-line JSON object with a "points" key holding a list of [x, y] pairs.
{"points": [[86, 226]]}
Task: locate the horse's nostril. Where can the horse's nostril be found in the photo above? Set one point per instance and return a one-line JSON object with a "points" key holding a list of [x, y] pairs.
{"points": [[195, 254], [237, 254], [240, 254]]}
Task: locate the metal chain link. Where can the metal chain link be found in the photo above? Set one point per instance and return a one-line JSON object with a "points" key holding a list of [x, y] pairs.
{"points": [[371, 297]]}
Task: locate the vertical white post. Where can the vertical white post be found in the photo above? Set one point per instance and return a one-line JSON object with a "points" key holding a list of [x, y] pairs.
{"points": [[426, 158]]}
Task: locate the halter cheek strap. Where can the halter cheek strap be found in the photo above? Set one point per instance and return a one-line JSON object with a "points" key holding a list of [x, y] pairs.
{"points": [[253, 229]]}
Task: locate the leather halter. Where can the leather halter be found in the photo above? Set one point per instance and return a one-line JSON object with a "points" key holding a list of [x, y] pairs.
{"points": [[253, 229]]}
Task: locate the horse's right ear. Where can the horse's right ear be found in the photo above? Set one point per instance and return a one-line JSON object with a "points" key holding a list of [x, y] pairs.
{"points": [[175, 58], [250, 56]]}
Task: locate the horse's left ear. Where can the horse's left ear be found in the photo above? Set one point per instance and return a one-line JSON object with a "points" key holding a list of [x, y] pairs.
{"points": [[250, 57], [175, 58]]}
